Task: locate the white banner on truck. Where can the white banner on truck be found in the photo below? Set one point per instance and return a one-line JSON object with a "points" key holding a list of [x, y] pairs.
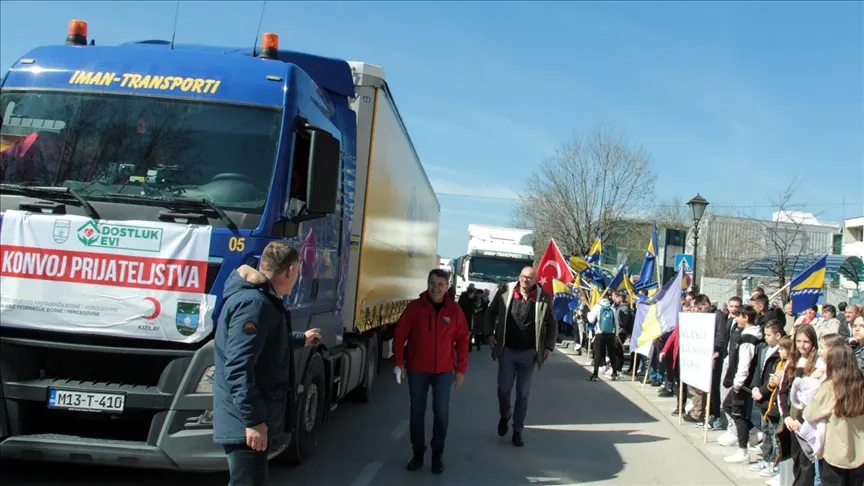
{"points": [[135, 279], [696, 352]]}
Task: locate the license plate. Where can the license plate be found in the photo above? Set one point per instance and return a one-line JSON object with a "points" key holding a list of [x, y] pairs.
{"points": [[86, 401]]}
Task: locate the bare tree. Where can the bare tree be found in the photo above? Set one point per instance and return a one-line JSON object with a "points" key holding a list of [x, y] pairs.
{"points": [[591, 185], [792, 238], [673, 214]]}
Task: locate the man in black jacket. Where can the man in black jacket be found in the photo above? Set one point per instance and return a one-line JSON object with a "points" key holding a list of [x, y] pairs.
{"points": [[253, 358], [723, 323], [724, 331], [625, 318]]}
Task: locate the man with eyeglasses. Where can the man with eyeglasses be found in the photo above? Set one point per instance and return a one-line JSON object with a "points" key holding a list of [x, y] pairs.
{"points": [[523, 333]]}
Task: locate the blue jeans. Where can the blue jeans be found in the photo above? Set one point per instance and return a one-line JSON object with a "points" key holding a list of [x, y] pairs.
{"points": [[655, 373], [418, 390], [247, 467], [515, 367]]}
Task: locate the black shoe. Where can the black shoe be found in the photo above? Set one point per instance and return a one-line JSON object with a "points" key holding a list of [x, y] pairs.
{"points": [[416, 462], [437, 462], [675, 412], [665, 394], [502, 427], [517, 439], [689, 418], [655, 383], [593, 378]]}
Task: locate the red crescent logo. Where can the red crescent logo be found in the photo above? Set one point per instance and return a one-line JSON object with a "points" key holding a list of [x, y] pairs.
{"points": [[157, 309]]}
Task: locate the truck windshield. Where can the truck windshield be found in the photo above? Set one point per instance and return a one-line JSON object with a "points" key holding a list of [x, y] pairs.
{"points": [[98, 144], [485, 269]]}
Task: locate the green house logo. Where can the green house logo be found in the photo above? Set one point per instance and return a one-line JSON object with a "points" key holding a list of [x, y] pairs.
{"points": [[88, 233], [120, 236]]}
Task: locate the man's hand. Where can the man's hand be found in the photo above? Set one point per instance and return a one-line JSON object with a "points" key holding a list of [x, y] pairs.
{"points": [[792, 424], [662, 355], [404, 371], [492, 341], [757, 395], [716, 355], [546, 354], [256, 437], [313, 336], [460, 378]]}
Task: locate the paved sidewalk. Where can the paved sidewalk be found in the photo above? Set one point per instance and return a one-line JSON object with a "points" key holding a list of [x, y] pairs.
{"points": [[663, 407]]}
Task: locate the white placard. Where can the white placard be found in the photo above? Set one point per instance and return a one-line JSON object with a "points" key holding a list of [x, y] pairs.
{"points": [[136, 279], [696, 349]]}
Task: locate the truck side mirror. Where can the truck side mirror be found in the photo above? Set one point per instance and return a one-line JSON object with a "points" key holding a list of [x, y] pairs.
{"points": [[459, 266], [323, 178]]}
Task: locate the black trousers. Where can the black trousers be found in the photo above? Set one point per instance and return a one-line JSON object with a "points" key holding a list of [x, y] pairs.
{"points": [[736, 405], [803, 468], [716, 379], [835, 476], [604, 344], [246, 466]]}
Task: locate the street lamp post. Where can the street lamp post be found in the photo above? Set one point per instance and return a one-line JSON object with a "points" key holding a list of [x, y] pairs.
{"points": [[697, 206]]}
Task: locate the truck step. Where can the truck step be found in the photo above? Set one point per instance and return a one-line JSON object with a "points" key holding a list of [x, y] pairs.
{"points": [[334, 406]]}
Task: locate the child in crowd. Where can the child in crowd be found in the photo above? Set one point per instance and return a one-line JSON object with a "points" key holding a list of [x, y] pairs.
{"points": [[838, 403], [779, 461], [802, 364], [768, 355], [742, 367]]}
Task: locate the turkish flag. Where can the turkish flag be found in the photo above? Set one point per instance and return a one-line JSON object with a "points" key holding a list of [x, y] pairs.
{"points": [[553, 266]]}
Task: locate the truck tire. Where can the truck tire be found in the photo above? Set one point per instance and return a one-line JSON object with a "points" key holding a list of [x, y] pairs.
{"points": [[373, 358], [310, 411]]}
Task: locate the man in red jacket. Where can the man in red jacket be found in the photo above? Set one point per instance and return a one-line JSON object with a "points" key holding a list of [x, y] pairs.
{"points": [[437, 336]]}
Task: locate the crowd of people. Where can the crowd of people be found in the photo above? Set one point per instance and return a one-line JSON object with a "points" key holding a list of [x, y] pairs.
{"points": [[787, 391]]}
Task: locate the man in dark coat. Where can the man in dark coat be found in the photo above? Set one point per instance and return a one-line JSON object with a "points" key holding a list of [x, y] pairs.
{"points": [[253, 358]]}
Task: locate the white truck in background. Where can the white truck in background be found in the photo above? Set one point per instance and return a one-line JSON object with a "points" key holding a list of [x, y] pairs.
{"points": [[495, 255]]}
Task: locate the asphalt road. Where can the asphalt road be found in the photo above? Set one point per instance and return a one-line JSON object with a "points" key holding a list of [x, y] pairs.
{"points": [[576, 432]]}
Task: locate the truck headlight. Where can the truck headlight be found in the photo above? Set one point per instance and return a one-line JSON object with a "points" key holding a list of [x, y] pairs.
{"points": [[205, 383]]}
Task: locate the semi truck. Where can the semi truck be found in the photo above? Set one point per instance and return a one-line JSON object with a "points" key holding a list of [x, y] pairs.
{"points": [[133, 180], [495, 255]]}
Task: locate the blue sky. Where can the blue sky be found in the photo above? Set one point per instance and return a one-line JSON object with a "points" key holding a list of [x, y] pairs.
{"points": [[732, 99]]}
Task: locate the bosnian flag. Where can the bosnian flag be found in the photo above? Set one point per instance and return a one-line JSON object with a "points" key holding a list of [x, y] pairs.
{"points": [[553, 266]]}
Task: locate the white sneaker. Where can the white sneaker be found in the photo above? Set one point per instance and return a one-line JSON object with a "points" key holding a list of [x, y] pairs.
{"points": [[740, 456], [756, 448], [727, 439], [775, 481], [770, 472]]}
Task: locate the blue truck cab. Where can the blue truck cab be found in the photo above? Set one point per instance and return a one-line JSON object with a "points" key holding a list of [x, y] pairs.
{"points": [[260, 146]]}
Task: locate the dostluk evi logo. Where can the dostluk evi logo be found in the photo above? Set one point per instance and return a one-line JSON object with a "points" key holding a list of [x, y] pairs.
{"points": [[120, 236], [88, 233]]}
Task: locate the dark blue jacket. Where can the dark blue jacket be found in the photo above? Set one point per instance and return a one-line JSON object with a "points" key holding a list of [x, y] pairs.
{"points": [[252, 357]]}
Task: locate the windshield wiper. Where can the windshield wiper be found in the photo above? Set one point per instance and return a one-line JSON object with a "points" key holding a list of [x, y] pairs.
{"points": [[56, 194], [173, 202]]}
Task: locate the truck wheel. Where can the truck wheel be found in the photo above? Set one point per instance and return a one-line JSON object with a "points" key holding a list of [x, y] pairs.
{"points": [[310, 412], [373, 355]]}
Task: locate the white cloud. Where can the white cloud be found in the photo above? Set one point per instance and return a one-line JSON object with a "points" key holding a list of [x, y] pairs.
{"points": [[492, 193]]}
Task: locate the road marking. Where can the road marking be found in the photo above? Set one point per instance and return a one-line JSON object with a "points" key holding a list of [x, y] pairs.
{"points": [[367, 474], [399, 431]]}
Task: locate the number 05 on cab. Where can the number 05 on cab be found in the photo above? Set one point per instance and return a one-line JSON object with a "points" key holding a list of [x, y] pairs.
{"points": [[136, 178]]}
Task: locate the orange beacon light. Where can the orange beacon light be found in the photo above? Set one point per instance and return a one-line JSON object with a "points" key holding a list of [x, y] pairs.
{"points": [[77, 34], [269, 45]]}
